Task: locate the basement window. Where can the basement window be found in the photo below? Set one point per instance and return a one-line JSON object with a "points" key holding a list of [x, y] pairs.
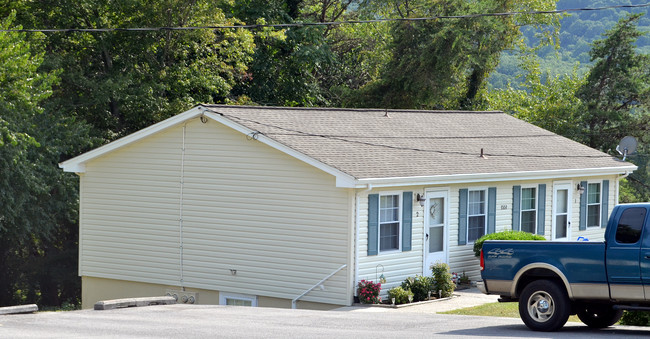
{"points": [[231, 299]]}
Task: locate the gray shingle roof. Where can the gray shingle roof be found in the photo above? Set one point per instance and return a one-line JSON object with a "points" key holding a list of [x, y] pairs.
{"points": [[374, 143]]}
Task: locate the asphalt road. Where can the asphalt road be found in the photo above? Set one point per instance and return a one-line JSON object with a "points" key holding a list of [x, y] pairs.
{"points": [[209, 321]]}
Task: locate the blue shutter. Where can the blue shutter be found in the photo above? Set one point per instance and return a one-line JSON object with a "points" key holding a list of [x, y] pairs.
{"points": [[462, 216], [583, 207], [407, 220], [492, 210], [516, 208], [373, 223], [605, 203], [541, 208]]}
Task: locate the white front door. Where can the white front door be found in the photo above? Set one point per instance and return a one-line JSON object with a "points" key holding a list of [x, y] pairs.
{"points": [[435, 229], [561, 212]]}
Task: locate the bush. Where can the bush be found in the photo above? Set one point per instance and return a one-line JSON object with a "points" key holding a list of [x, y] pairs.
{"points": [[368, 292], [401, 295], [505, 235], [420, 286], [442, 280], [635, 318]]}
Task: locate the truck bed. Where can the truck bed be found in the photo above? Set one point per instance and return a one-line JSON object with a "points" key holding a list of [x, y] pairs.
{"points": [[580, 262]]}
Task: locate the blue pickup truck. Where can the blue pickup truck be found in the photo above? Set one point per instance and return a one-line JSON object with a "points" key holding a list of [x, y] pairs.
{"points": [[595, 280]]}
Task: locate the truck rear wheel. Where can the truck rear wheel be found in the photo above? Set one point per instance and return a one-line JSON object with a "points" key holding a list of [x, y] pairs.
{"points": [[599, 316], [544, 306]]}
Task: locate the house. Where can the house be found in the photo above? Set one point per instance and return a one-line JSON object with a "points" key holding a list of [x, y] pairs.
{"points": [[270, 206]]}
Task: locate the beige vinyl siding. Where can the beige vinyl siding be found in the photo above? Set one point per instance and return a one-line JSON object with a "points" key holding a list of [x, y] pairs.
{"points": [[281, 224], [592, 233], [400, 265], [130, 211], [395, 265]]}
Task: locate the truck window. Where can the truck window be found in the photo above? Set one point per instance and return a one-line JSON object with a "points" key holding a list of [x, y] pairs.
{"points": [[630, 225]]}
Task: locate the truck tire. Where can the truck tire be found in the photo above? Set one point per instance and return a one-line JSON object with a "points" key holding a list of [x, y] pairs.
{"points": [[599, 316], [544, 306]]}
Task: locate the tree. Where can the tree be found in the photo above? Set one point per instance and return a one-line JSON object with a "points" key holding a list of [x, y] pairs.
{"points": [[544, 100], [444, 63], [288, 63], [37, 201], [598, 110], [616, 97], [121, 82]]}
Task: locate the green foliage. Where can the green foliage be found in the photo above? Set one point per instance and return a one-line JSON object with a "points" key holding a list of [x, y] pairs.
{"points": [[444, 63], [38, 213], [420, 286], [400, 295], [635, 318], [505, 235], [120, 82], [577, 31], [443, 284]]}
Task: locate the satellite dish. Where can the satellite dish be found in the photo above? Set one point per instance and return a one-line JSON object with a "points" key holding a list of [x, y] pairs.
{"points": [[626, 146]]}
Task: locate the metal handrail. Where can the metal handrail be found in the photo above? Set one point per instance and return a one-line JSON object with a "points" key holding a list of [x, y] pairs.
{"points": [[293, 302]]}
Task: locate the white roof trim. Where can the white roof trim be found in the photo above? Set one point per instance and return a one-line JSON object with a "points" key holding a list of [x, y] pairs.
{"points": [[342, 179], [78, 164], [494, 177]]}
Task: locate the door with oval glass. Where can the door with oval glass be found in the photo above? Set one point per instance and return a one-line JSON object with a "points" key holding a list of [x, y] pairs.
{"points": [[435, 229]]}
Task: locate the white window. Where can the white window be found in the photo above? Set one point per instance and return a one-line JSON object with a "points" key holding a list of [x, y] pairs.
{"points": [[237, 300], [529, 209], [593, 204], [389, 222], [476, 215]]}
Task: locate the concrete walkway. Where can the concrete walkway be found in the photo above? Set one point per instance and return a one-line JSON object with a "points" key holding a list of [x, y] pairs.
{"points": [[461, 299]]}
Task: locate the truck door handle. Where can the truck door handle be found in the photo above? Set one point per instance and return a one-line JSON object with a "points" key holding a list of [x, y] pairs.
{"points": [[647, 255]]}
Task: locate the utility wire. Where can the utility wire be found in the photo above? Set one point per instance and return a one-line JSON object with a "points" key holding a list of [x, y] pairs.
{"points": [[350, 139], [304, 24]]}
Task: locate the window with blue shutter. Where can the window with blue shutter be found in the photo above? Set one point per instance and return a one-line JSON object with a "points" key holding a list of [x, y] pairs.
{"points": [[516, 207], [462, 216], [373, 223], [541, 208], [492, 210], [583, 207], [605, 207], [407, 220], [594, 204], [389, 224]]}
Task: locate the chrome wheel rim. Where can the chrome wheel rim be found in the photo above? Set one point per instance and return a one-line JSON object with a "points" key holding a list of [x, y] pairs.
{"points": [[541, 306]]}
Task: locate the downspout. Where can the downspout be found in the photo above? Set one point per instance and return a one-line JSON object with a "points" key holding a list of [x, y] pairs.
{"points": [[356, 245], [180, 216]]}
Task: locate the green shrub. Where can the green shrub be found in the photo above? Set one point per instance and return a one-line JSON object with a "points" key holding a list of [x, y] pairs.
{"points": [[401, 295], [505, 235], [420, 286], [442, 281], [635, 318]]}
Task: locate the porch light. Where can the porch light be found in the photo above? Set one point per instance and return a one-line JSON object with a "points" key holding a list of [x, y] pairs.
{"points": [[420, 199], [580, 189]]}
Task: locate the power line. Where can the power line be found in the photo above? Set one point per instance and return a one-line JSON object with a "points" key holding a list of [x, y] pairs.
{"points": [[305, 24], [349, 139]]}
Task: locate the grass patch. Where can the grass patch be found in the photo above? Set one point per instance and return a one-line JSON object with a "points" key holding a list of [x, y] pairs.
{"points": [[507, 310]]}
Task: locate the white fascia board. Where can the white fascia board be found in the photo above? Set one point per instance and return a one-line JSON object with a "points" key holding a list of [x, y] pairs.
{"points": [[77, 164], [342, 179], [494, 177]]}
